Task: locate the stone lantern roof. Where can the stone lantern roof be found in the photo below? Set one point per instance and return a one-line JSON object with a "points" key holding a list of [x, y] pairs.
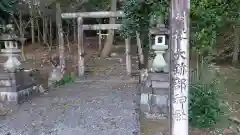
{"points": [[161, 30]]}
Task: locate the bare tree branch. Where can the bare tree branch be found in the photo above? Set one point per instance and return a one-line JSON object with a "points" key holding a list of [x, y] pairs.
{"points": [[26, 25], [16, 22]]}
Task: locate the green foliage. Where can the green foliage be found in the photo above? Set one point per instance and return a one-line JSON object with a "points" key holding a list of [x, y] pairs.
{"points": [[206, 104], [97, 5], [81, 5], [207, 17], [138, 14], [7, 5], [65, 80]]}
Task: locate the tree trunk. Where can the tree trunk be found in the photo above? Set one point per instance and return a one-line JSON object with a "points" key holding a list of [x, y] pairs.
{"points": [[32, 26], [38, 31], [47, 32], [236, 46], [109, 42], [44, 30], [21, 33], [144, 51], [67, 38], [74, 31], [50, 32], [140, 50], [60, 37], [128, 56]]}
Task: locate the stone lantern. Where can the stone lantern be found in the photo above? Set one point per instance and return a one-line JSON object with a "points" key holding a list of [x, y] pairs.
{"points": [[16, 84], [11, 51], [160, 46], [155, 91]]}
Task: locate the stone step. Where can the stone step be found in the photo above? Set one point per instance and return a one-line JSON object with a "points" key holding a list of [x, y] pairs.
{"points": [[157, 84], [147, 90], [158, 80], [159, 102], [164, 77], [160, 84], [160, 91], [4, 76]]}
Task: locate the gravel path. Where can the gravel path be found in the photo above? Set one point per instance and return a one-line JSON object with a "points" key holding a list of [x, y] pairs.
{"points": [[84, 108]]}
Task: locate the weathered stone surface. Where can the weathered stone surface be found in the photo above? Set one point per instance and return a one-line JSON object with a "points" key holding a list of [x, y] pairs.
{"points": [[41, 78], [146, 90], [159, 84], [145, 107], [160, 100], [159, 104], [159, 77], [54, 76], [18, 86], [159, 91], [155, 116], [71, 68]]}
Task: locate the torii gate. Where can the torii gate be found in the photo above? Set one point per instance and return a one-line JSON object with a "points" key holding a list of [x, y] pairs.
{"points": [[81, 28]]}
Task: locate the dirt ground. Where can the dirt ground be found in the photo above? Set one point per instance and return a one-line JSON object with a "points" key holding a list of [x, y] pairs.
{"points": [[40, 55]]}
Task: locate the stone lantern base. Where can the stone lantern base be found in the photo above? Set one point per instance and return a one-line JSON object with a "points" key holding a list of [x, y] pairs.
{"points": [[154, 103], [18, 86]]}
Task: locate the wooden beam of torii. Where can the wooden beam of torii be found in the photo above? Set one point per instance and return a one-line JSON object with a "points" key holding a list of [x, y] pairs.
{"points": [[179, 76], [100, 14]]}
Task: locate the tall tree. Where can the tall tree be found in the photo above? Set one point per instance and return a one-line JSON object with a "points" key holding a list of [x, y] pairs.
{"points": [[60, 37], [109, 42], [236, 31]]}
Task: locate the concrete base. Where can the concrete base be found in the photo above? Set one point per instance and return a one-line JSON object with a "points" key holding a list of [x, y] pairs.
{"points": [[18, 86], [154, 102]]}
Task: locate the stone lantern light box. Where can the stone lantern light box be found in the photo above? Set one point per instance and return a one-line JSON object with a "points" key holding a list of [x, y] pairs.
{"points": [[160, 40]]}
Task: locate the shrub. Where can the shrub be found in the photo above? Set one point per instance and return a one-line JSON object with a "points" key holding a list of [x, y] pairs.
{"points": [[64, 80], [205, 103]]}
